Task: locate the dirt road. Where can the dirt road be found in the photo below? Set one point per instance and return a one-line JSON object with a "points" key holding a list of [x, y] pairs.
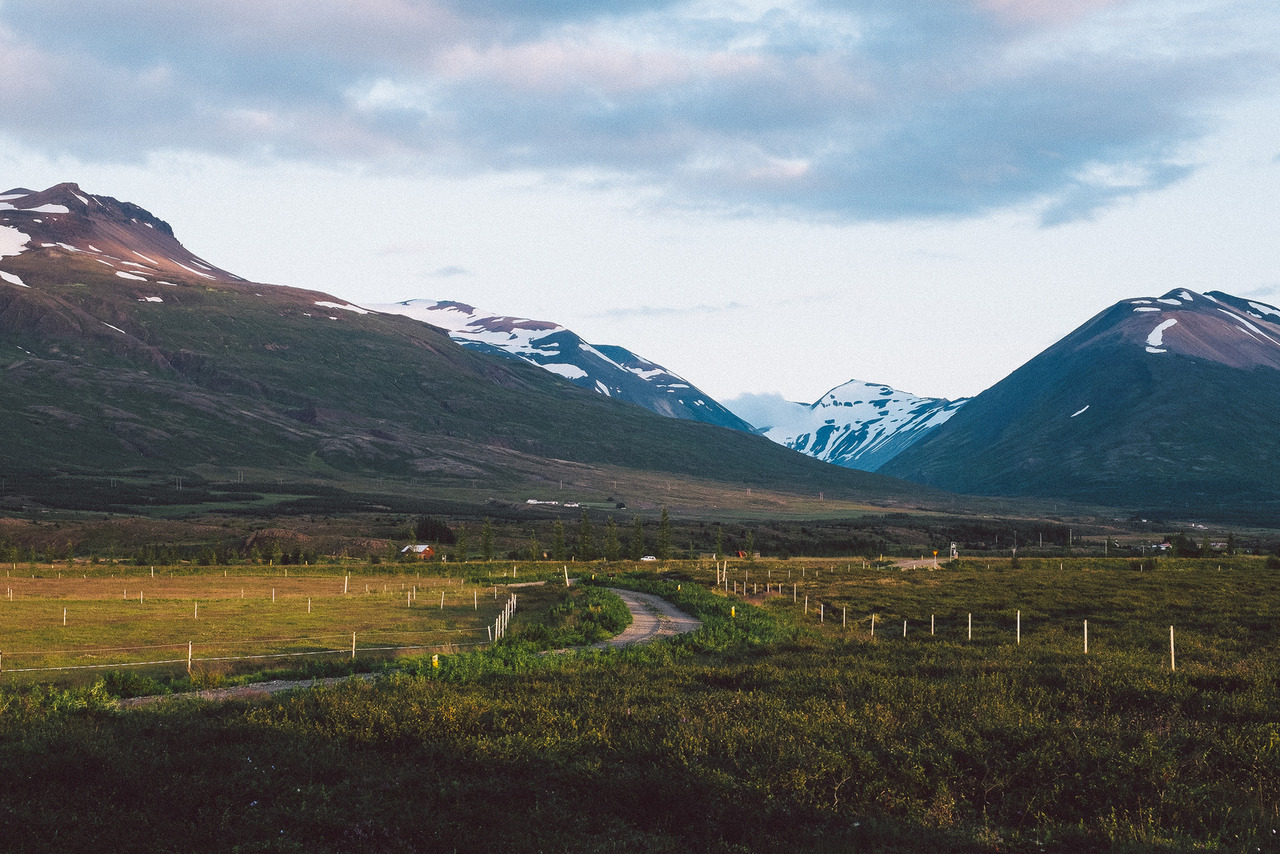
{"points": [[652, 617]]}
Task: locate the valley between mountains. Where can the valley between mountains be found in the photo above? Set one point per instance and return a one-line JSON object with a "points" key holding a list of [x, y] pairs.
{"points": [[129, 354]]}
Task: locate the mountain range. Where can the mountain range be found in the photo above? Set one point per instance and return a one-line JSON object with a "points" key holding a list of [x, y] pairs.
{"points": [[610, 370], [134, 361], [856, 425], [133, 358]]}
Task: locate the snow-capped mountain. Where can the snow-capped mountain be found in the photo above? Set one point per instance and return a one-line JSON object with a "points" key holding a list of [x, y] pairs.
{"points": [[857, 425], [125, 354], [64, 220], [1163, 402], [612, 371]]}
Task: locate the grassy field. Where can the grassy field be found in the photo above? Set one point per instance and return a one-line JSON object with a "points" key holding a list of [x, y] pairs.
{"points": [[55, 621], [769, 729]]}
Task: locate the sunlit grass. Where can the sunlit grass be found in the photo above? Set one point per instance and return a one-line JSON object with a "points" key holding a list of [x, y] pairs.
{"points": [[765, 730]]}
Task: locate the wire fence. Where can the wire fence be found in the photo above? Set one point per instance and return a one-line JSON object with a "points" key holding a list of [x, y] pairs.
{"points": [[446, 642], [441, 639]]}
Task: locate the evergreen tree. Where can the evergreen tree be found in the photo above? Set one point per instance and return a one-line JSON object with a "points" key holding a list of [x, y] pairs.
{"points": [[586, 541], [751, 545], [664, 536], [460, 544], [535, 548], [1231, 542], [611, 547], [486, 540], [719, 542], [557, 541], [637, 540]]}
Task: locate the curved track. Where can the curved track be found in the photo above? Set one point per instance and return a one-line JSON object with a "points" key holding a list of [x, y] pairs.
{"points": [[652, 618]]}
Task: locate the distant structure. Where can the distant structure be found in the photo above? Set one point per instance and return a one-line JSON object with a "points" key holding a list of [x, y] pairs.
{"points": [[423, 552]]}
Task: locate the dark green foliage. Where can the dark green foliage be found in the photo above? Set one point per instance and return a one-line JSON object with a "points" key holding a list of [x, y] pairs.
{"points": [[635, 550], [558, 551], [585, 616], [664, 536], [432, 530], [460, 545], [612, 549]]}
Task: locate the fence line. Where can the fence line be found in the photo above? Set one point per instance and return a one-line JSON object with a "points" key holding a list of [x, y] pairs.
{"points": [[1017, 631], [189, 660], [238, 657]]}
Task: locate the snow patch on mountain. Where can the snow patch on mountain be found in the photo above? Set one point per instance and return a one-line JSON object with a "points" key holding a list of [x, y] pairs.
{"points": [[12, 241], [5, 206], [1156, 338], [345, 307]]}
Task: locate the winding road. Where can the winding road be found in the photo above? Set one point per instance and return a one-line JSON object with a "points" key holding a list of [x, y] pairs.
{"points": [[652, 618]]}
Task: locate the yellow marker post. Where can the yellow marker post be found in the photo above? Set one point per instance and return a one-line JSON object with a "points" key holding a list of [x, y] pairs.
{"points": [[435, 661]]}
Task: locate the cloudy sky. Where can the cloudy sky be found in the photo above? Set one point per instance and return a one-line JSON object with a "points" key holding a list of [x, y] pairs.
{"points": [[769, 198]]}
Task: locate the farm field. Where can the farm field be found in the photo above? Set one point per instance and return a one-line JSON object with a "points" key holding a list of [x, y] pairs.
{"points": [[778, 726], [56, 621]]}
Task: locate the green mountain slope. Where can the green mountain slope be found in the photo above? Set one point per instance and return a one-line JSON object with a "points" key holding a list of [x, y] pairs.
{"points": [[176, 373], [1115, 414]]}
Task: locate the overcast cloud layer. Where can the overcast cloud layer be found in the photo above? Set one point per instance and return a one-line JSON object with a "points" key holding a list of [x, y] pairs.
{"points": [[772, 198], [876, 110]]}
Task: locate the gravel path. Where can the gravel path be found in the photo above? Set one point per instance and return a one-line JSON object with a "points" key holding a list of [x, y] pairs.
{"points": [[652, 617]]}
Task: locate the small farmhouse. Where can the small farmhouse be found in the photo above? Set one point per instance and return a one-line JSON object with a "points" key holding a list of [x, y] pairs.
{"points": [[423, 552]]}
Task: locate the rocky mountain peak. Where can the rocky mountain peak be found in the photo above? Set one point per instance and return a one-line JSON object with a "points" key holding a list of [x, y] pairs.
{"points": [[80, 227]]}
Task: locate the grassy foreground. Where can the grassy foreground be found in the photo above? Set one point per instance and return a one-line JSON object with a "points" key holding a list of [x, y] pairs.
{"points": [[765, 731]]}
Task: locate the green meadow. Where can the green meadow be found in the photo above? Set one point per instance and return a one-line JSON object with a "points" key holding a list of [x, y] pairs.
{"points": [[972, 720]]}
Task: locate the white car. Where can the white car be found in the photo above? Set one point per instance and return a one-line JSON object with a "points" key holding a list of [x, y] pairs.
{"points": [[648, 557]]}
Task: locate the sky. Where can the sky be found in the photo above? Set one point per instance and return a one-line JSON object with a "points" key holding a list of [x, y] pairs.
{"points": [[770, 199]]}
